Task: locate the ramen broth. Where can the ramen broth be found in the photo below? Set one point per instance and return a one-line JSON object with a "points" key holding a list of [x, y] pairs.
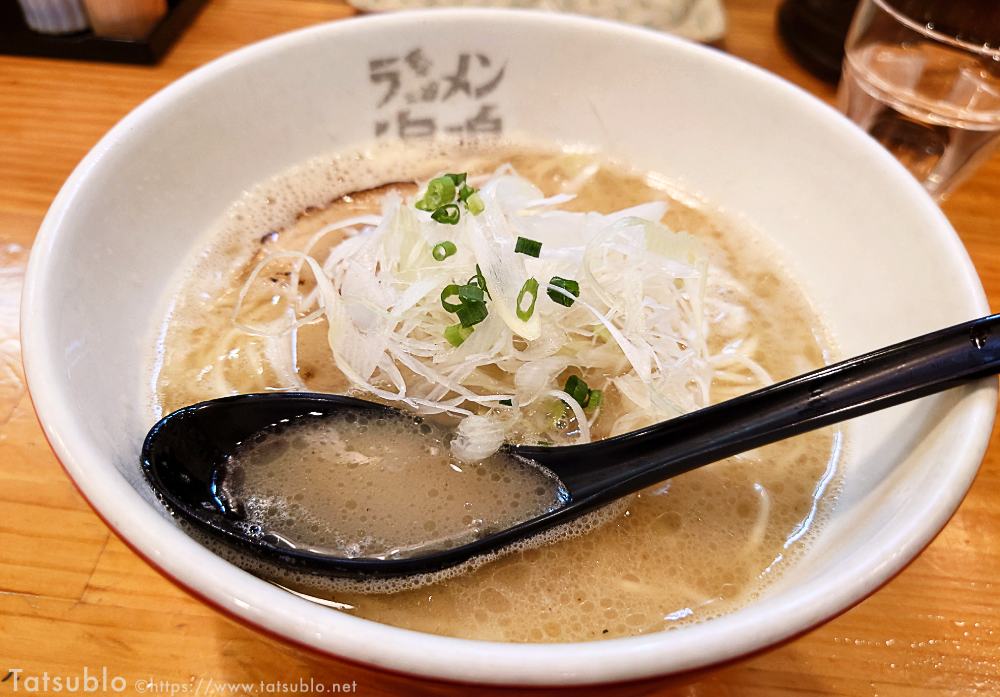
{"points": [[378, 486], [683, 551]]}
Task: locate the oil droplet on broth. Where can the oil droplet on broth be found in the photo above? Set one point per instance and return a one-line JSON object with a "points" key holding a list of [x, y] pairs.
{"points": [[379, 486]]}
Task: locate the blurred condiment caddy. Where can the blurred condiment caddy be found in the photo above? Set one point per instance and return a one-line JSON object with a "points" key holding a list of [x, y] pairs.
{"points": [[119, 31]]}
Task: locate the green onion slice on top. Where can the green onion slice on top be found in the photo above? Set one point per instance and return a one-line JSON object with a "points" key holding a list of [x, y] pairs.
{"points": [[443, 195], [577, 389], [480, 281], [475, 204], [471, 293], [529, 247], [471, 314], [567, 284], [443, 250], [440, 191], [456, 334], [471, 306], [594, 400], [448, 214], [526, 310], [451, 291]]}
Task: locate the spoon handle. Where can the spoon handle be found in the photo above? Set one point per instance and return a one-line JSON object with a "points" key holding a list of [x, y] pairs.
{"points": [[877, 380]]}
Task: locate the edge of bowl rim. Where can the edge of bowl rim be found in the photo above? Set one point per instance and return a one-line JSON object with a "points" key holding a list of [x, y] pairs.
{"points": [[267, 608]]}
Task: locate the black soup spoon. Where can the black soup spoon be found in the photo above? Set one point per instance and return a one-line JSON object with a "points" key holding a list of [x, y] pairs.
{"points": [[183, 451]]}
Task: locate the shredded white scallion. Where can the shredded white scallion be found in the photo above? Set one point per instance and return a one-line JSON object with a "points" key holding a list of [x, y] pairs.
{"points": [[638, 330]]}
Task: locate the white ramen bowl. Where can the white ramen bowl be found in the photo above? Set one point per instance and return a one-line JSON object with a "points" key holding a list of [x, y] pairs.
{"points": [[876, 256]]}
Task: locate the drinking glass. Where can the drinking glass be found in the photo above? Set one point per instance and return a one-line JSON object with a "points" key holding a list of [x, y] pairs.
{"points": [[923, 78]]}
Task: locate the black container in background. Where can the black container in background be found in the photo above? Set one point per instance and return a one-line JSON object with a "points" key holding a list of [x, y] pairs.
{"points": [[814, 32], [17, 39]]}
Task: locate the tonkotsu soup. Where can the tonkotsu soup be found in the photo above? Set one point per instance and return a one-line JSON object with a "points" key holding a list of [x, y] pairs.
{"points": [[514, 292]]}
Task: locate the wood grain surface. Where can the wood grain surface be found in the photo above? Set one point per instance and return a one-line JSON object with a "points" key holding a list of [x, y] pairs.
{"points": [[72, 595]]}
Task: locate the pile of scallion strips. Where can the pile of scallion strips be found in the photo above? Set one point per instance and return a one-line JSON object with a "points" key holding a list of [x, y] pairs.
{"points": [[434, 304]]}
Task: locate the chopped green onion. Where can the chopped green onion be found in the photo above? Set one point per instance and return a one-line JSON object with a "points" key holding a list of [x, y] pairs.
{"points": [[456, 334], [481, 281], [447, 214], [472, 313], [472, 200], [587, 398], [475, 204], [451, 291], [530, 287], [443, 250], [577, 389], [568, 285], [529, 247], [439, 192], [594, 400], [471, 306], [506, 402], [471, 293], [439, 199]]}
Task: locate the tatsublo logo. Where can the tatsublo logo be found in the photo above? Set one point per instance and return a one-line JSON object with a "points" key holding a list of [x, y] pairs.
{"points": [[85, 682], [104, 683]]}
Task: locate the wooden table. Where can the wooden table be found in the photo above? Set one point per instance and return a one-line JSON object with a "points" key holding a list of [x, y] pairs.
{"points": [[72, 595]]}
